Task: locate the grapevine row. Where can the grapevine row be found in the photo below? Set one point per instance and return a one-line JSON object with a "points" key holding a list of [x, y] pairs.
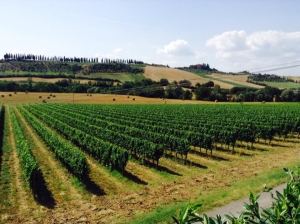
{"points": [[71, 157], [173, 143], [106, 153], [245, 129], [142, 148]]}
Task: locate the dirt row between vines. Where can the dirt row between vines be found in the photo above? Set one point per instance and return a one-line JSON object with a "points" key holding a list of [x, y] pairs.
{"points": [[113, 198], [19, 196]]}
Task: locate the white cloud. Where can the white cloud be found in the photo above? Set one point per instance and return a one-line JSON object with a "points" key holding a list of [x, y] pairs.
{"points": [[232, 40], [178, 48], [118, 50], [265, 48], [113, 55]]}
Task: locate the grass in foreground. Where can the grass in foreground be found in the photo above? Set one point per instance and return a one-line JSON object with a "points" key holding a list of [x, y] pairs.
{"points": [[6, 176], [218, 197]]}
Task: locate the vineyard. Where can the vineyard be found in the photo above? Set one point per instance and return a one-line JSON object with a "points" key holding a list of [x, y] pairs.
{"points": [[114, 163]]}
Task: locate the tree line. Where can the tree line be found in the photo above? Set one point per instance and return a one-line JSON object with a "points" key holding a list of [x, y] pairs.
{"points": [[268, 78], [159, 89], [33, 57], [198, 67]]}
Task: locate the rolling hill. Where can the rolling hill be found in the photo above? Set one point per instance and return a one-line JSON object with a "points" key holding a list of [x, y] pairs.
{"points": [[125, 72], [225, 81]]}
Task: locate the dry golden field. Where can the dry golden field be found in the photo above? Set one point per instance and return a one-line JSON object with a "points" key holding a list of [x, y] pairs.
{"points": [[33, 97], [157, 73], [238, 79]]}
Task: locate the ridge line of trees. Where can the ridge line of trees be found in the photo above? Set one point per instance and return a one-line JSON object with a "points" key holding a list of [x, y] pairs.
{"points": [[268, 78], [33, 57]]}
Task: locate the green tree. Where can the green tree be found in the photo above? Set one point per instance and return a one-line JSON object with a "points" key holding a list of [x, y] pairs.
{"points": [[202, 93], [164, 82], [29, 81], [287, 95], [187, 95]]}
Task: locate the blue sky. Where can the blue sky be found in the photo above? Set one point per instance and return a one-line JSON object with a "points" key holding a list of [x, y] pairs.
{"points": [[232, 35]]}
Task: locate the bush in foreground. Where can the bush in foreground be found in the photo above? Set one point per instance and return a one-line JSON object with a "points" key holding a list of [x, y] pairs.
{"points": [[285, 208]]}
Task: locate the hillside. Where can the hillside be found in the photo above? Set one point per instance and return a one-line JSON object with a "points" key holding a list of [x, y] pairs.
{"points": [[236, 79], [157, 73], [51, 71], [22, 68]]}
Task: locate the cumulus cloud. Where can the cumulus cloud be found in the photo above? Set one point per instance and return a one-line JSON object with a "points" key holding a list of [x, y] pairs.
{"points": [[256, 49], [178, 48], [118, 50]]}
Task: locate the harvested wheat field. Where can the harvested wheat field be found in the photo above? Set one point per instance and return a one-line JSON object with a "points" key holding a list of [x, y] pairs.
{"points": [[33, 97], [239, 79], [171, 74]]}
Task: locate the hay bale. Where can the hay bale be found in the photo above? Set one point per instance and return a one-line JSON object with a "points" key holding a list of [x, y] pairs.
{"points": [[40, 96], [114, 99], [9, 94], [44, 101], [53, 96], [2, 95], [15, 92], [48, 97], [133, 99]]}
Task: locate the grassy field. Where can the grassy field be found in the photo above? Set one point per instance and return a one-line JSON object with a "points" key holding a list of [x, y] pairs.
{"points": [[118, 76], [283, 85], [51, 80], [24, 73], [240, 80], [145, 194]]}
